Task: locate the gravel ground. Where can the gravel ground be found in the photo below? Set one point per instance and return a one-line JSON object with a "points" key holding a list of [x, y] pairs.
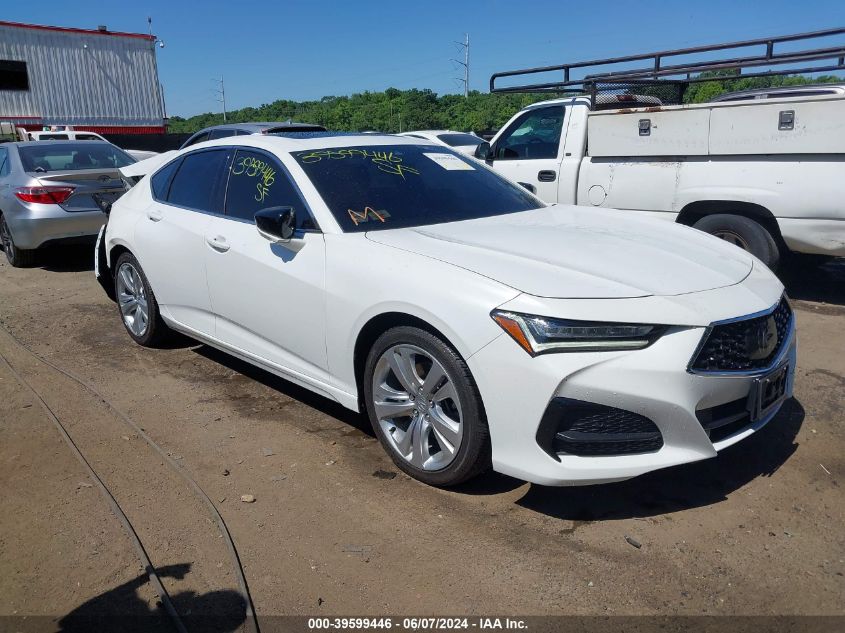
{"points": [[336, 529]]}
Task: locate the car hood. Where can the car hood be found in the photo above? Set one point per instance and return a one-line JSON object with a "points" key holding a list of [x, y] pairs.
{"points": [[564, 251]]}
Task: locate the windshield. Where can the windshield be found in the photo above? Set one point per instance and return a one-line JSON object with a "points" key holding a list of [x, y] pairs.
{"points": [[72, 156], [459, 140], [394, 186]]}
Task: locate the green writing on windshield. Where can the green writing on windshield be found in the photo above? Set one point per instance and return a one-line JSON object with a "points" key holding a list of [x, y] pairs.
{"points": [[385, 161]]}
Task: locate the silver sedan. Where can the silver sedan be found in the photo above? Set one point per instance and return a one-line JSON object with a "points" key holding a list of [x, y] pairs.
{"points": [[53, 192]]}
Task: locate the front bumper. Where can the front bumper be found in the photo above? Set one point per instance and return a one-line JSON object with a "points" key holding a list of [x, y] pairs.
{"points": [[33, 225], [653, 382]]}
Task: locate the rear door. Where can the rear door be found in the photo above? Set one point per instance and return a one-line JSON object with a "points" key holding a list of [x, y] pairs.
{"points": [[187, 193], [269, 298], [528, 150]]}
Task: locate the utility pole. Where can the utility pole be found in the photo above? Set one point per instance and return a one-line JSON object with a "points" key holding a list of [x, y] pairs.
{"points": [[222, 92], [465, 64]]}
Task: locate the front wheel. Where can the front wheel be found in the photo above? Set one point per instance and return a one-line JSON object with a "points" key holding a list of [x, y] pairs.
{"points": [[425, 408], [743, 232], [137, 304]]}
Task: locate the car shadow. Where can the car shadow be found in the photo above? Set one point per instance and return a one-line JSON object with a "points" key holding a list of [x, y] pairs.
{"points": [[287, 388], [122, 610], [808, 280], [67, 259], [678, 488]]}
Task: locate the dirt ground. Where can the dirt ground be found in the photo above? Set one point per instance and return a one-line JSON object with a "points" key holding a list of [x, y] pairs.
{"points": [[336, 529]]}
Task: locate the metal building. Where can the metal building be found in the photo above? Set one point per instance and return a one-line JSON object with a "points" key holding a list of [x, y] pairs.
{"points": [[96, 80]]}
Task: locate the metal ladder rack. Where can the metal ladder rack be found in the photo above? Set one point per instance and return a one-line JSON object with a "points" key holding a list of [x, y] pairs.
{"points": [[680, 74]]}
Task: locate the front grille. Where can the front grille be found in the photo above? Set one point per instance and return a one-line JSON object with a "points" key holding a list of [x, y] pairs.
{"points": [[744, 345], [724, 420], [586, 429]]}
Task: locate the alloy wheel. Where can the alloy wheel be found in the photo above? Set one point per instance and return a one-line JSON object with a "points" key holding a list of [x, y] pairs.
{"points": [[417, 407], [733, 238], [132, 299]]}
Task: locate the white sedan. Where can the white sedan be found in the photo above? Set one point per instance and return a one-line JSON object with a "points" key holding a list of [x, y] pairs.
{"points": [[475, 325], [462, 142]]}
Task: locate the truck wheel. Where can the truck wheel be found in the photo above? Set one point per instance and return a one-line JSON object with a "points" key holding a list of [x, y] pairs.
{"points": [[743, 232]]}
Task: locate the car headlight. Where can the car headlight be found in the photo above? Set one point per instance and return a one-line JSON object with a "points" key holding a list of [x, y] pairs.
{"points": [[540, 335]]}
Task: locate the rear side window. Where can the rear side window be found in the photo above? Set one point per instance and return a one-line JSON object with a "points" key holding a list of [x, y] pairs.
{"points": [[459, 140], [195, 184], [4, 162], [160, 182], [221, 134], [199, 138], [257, 181]]}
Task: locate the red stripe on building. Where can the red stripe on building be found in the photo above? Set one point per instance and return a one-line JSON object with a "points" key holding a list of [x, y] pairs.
{"points": [[66, 29], [102, 129]]}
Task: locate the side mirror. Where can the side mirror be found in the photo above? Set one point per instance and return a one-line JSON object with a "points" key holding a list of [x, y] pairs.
{"points": [[482, 152], [277, 224]]}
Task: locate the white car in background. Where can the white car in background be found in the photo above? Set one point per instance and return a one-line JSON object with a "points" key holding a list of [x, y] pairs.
{"points": [[462, 142], [473, 323], [80, 135]]}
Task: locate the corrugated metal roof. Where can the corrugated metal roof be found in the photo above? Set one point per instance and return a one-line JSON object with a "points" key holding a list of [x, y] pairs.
{"points": [[79, 77]]}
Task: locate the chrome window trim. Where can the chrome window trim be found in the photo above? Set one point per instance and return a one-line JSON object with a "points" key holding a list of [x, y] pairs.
{"points": [[745, 373]]}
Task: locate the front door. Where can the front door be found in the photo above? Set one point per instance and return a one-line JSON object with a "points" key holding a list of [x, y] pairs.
{"points": [[268, 298], [528, 151]]}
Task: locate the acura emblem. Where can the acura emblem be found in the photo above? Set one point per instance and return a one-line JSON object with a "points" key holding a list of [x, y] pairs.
{"points": [[762, 340]]}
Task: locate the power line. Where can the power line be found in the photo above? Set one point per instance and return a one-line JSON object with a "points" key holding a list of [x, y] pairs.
{"points": [[465, 64]]}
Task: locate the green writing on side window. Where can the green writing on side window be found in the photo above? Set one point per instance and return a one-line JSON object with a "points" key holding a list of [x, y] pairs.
{"points": [[387, 162], [256, 168]]}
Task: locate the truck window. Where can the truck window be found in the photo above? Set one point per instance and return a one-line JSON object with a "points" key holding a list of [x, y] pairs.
{"points": [[536, 134]]}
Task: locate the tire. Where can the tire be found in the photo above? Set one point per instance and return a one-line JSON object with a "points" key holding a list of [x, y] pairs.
{"points": [[447, 416], [17, 257], [133, 293], [745, 233]]}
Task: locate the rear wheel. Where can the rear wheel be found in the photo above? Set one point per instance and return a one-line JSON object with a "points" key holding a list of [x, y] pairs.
{"points": [[743, 232], [137, 304], [18, 257], [425, 408]]}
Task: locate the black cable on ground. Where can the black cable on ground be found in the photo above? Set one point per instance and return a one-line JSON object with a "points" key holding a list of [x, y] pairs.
{"points": [[242, 584], [115, 507]]}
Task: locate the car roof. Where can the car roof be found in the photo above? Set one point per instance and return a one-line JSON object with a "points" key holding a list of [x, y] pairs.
{"points": [[831, 88], [55, 142], [293, 142], [258, 126]]}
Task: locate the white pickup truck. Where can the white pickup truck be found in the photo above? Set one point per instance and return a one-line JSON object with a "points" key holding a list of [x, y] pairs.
{"points": [[767, 175]]}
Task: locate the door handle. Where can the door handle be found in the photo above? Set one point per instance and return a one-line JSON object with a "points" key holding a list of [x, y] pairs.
{"points": [[547, 175], [218, 243], [155, 216]]}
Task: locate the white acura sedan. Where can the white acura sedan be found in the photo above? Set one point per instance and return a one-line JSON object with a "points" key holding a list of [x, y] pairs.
{"points": [[474, 324]]}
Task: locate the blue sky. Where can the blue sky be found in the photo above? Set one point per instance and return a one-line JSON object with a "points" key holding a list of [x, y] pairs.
{"points": [[305, 50]]}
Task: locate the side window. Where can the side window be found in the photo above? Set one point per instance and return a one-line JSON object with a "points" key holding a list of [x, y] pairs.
{"points": [[196, 182], [4, 162], [160, 182], [258, 182], [221, 134], [87, 137], [535, 135], [199, 138]]}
